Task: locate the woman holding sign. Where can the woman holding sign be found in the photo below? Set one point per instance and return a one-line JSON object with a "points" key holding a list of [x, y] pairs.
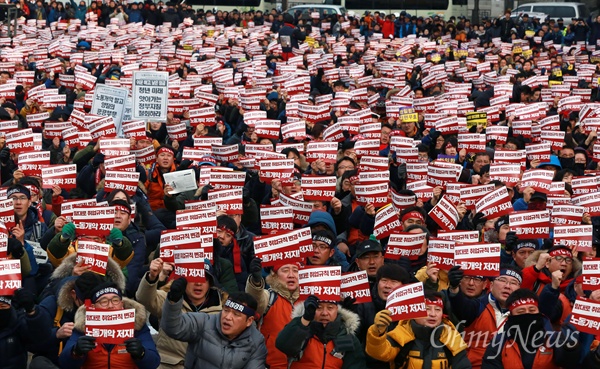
{"points": [[431, 342]]}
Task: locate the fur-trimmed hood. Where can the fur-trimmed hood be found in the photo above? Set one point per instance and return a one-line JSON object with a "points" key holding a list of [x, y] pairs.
{"points": [[140, 314], [65, 270], [281, 289], [350, 320]]}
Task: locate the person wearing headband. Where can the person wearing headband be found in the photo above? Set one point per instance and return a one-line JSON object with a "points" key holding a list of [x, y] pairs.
{"points": [[71, 294], [432, 340], [321, 333], [275, 303], [165, 163], [227, 247], [124, 222], [82, 351], [205, 297], [30, 229], [228, 339], [323, 248], [528, 339], [482, 317], [23, 326], [545, 264], [412, 215], [549, 276]]}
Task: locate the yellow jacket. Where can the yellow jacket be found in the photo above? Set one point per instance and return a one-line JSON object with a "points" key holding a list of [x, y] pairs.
{"points": [[442, 284], [403, 349]]}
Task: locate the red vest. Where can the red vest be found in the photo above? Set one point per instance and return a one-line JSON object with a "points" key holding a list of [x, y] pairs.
{"points": [[511, 357], [318, 355], [98, 358], [280, 314], [479, 334]]}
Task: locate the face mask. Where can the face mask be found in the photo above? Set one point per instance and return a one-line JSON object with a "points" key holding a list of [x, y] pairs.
{"points": [[526, 325], [567, 162], [579, 168], [5, 315]]}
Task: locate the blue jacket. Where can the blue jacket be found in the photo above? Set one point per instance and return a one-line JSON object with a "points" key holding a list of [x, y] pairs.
{"points": [[23, 333]]}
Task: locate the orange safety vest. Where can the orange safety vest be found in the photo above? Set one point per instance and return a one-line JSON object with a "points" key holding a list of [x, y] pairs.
{"points": [[318, 355], [279, 315], [511, 357], [100, 357], [155, 187], [479, 334]]}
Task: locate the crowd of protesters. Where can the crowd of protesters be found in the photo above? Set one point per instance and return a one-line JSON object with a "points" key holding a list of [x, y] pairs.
{"points": [[408, 83]]}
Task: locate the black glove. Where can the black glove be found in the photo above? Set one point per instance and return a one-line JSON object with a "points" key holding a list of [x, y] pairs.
{"points": [[84, 345], [511, 241], [478, 219], [135, 348], [25, 299], [15, 248], [177, 290], [455, 275], [348, 304], [256, 270], [310, 307], [4, 155]]}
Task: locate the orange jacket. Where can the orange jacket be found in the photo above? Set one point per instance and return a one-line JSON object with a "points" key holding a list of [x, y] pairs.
{"points": [[155, 186], [511, 357], [479, 334]]}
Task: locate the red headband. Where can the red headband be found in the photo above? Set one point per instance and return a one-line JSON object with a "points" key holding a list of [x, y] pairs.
{"points": [[226, 230], [561, 252], [437, 302], [164, 149], [412, 214], [123, 209], [522, 302]]}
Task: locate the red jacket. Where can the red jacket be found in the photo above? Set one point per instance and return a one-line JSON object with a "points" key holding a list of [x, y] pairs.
{"points": [[387, 29]]}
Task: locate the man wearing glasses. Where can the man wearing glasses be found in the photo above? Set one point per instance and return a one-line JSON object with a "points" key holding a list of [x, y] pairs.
{"points": [[137, 352], [481, 316]]}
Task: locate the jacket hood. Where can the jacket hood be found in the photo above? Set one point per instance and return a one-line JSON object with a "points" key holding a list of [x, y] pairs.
{"points": [[140, 314], [350, 320], [281, 289], [113, 272], [322, 217], [64, 299]]}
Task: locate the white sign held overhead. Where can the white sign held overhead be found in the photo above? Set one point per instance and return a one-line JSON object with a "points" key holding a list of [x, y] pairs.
{"points": [[150, 95]]}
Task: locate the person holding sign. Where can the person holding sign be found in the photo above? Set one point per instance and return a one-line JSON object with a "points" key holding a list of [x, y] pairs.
{"points": [[22, 328], [225, 340], [321, 335], [198, 297], [65, 244], [165, 163], [415, 343], [87, 351], [277, 301], [528, 338], [483, 316]]}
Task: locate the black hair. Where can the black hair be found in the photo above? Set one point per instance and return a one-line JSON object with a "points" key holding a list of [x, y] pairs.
{"points": [[111, 196], [86, 283], [521, 293], [393, 271], [227, 222]]}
